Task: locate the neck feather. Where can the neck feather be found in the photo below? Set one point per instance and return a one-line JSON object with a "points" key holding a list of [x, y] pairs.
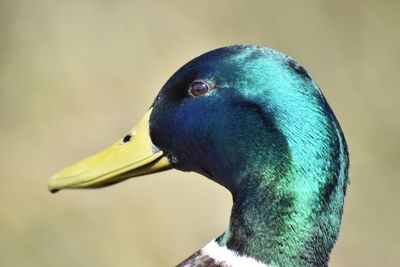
{"points": [[291, 217], [226, 257]]}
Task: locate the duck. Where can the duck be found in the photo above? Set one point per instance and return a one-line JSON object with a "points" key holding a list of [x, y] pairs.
{"points": [[253, 120]]}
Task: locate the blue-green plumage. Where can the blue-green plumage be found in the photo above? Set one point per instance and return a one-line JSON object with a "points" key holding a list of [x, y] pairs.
{"points": [[266, 133]]}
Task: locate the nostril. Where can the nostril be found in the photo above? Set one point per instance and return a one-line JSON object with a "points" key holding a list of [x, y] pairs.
{"points": [[127, 138]]}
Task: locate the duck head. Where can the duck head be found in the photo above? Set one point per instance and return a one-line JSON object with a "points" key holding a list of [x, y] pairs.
{"points": [[254, 121]]}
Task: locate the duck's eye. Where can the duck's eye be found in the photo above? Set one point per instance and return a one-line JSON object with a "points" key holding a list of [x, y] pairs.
{"points": [[199, 88]]}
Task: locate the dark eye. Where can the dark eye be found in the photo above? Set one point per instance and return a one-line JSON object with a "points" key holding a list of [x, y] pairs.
{"points": [[199, 88]]}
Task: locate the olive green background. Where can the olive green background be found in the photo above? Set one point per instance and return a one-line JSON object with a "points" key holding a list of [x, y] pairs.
{"points": [[76, 75]]}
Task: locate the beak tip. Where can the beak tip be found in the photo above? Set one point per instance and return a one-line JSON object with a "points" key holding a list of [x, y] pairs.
{"points": [[51, 187], [53, 191]]}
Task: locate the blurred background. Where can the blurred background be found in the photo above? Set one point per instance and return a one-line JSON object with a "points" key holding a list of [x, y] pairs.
{"points": [[76, 75]]}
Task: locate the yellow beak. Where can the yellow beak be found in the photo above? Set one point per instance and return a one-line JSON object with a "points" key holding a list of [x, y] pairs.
{"points": [[132, 156]]}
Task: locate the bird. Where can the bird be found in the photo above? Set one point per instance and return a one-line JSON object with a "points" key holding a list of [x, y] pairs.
{"points": [[253, 120]]}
